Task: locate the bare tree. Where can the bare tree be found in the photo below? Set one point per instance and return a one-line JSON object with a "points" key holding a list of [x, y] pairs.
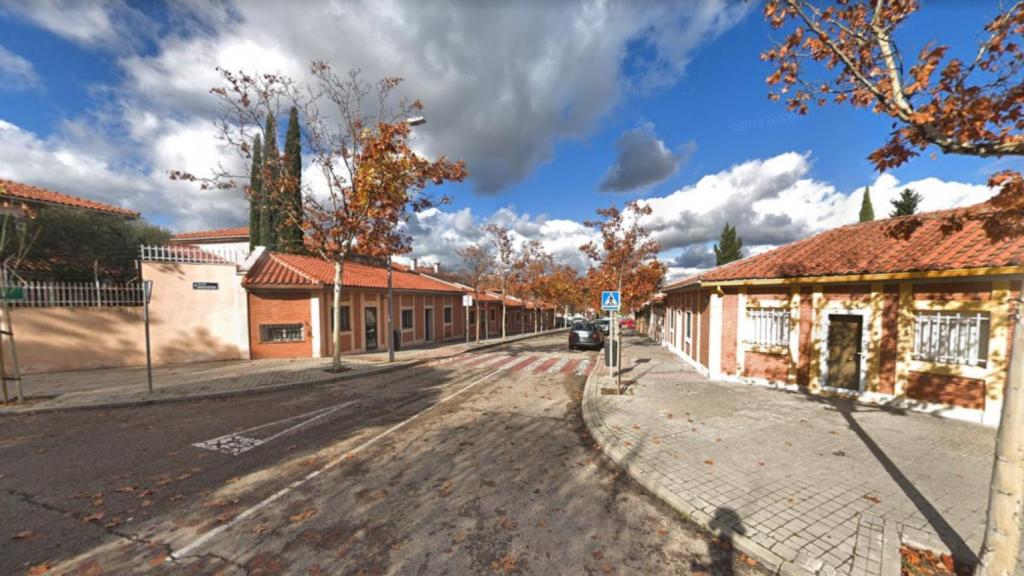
{"points": [[476, 266], [504, 260]]}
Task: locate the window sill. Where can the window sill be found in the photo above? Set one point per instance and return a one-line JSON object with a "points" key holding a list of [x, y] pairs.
{"points": [[972, 372], [281, 341]]}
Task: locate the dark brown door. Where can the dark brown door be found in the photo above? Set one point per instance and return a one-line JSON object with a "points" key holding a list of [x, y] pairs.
{"points": [[428, 324], [370, 317], [844, 350]]}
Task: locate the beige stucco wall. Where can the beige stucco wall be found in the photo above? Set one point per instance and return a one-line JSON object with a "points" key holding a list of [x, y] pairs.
{"points": [[59, 339], [188, 325]]}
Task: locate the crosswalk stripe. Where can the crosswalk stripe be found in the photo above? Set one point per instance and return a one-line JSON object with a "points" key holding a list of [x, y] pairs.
{"points": [[528, 362], [545, 365], [581, 369], [558, 366], [570, 366]]}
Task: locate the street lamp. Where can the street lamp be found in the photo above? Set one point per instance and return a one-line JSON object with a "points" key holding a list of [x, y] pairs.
{"points": [[412, 122]]}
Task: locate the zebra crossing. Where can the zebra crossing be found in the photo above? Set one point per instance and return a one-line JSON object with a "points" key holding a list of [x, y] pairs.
{"points": [[524, 363]]}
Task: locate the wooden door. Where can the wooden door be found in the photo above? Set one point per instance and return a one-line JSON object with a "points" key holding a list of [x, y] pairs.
{"points": [[844, 351]]}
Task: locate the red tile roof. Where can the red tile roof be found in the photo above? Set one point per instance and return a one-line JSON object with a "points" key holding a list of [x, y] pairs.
{"points": [[34, 194], [946, 240], [237, 233], [276, 269]]}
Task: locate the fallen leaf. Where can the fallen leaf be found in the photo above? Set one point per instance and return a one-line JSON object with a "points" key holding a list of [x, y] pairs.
{"points": [[872, 499], [127, 489], [93, 517], [709, 462], [662, 532], [446, 489], [39, 569], [838, 453], [598, 555], [157, 560], [24, 535], [302, 516]]}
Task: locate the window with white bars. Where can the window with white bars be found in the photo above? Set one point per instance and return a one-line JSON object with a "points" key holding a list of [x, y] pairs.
{"points": [[951, 337], [281, 333], [689, 321], [767, 326]]}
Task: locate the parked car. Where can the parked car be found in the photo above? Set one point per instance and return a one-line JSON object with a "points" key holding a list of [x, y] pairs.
{"points": [[627, 323], [604, 324], [585, 335]]}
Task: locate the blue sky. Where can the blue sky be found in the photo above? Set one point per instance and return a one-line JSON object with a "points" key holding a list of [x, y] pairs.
{"points": [[100, 99]]}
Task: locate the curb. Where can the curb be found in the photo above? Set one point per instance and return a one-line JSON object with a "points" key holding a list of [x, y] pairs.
{"points": [[702, 519], [334, 379]]}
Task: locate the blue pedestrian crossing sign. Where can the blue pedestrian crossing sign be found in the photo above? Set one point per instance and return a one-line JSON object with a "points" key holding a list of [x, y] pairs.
{"points": [[610, 300]]}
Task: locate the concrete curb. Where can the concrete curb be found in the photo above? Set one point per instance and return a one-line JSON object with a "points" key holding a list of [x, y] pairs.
{"points": [[650, 482], [331, 379]]}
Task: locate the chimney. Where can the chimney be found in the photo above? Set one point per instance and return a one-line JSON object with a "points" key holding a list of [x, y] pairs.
{"points": [[414, 262], [437, 267]]}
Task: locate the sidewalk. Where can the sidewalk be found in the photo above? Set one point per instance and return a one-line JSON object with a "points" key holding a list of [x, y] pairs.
{"points": [[803, 484], [104, 388]]}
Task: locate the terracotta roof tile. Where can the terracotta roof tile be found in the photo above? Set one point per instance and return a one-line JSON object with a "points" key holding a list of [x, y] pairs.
{"points": [[925, 242], [278, 269], [240, 232], [12, 189]]}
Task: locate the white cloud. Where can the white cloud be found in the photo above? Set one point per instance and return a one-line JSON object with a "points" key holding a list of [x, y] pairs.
{"points": [[16, 73], [100, 23]]}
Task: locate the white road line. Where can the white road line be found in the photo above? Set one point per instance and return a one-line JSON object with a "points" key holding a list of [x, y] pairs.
{"points": [[581, 368], [210, 535], [557, 366], [536, 362], [240, 442], [512, 361]]}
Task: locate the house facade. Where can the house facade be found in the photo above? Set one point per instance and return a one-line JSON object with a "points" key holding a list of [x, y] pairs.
{"points": [[914, 312]]}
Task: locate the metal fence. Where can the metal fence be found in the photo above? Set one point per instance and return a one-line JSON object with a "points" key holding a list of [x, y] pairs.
{"points": [[194, 254], [71, 294]]}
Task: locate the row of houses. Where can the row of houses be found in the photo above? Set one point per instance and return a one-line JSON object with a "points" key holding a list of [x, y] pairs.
{"points": [[913, 311], [215, 299]]}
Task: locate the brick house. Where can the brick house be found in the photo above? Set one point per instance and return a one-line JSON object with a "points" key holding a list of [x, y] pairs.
{"points": [[290, 300], [17, 199], [913, 311]]}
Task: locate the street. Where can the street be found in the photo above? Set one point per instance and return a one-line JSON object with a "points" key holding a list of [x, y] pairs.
{"points": [[477, 464]]}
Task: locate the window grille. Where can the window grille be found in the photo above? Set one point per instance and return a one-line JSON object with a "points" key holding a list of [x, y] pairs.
{"points": [[951, 337], [281, 333], [767, 326], [406, 319]]}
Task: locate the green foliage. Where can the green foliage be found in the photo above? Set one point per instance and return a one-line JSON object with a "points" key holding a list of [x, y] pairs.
{"points": [[729, 247], [269, 213], [256, 194], [290, 234], [906, 204], [69, 242], [867, 211]]}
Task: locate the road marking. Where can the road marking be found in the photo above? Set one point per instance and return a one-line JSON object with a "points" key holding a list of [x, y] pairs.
{"points": [[546, 365], [529, 360], [242, 441], [570, 366], [211, 534], [558, 366], [581, 369]]}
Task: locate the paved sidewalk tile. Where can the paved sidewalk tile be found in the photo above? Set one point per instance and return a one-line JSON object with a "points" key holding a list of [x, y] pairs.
{"points": [[812, 481]]}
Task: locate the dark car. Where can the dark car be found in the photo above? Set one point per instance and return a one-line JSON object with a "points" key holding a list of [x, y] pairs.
{"points": [[585, 335]]}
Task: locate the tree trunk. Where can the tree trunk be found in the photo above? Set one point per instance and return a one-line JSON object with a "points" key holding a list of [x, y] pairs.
{"points": [[336, 330], [1003, 526], [503, 308], [476, 324]]}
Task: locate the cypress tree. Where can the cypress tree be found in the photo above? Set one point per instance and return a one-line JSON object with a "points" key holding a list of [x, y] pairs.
{"points": [[906, 204], [256, 194], [867, 211], [729, 247], [290, 236], [270, 214]]}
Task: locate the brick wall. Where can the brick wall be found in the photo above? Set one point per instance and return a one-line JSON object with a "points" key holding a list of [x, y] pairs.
{"points": [[803, 369], [955, 291], [705, 325], [279, 308], [730, 306], [888, 351], [768, 366], [953, 390]]}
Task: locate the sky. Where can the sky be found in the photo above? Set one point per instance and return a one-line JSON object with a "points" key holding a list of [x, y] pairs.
{"points": [[558, 109]]}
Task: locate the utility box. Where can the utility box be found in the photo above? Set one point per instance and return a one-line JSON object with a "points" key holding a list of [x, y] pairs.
{"points": [[396, 338], [611, 353]]}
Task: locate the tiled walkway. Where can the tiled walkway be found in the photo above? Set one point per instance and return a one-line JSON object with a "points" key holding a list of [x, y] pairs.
{"points": [[804, 483]]}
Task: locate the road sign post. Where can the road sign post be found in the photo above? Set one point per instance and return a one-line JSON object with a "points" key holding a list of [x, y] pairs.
{"points": [[611, 301]]}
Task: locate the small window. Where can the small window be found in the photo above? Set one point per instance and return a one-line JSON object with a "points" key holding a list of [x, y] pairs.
{"points": [[492, 314], [281, 333], [768, 326], [447, 314], [406, 319], [472, 316], [689, 321], [346, 322], [951, 337]]}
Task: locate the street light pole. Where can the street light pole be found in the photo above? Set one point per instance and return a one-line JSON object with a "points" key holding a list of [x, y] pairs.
{"points": [[391, 331]]}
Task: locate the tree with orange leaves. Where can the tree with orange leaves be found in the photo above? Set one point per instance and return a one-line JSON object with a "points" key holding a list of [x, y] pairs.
{"points": [[359, 140], [530, 269], [971, 107], [625, 257]]}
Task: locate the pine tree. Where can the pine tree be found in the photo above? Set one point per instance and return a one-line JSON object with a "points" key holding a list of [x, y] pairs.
{"points": [[906, 204], [729, 247], [270, 213], [256, 194], [867, 211], [290, 235]]}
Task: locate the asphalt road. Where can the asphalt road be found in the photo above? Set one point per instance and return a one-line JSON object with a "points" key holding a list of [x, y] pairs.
{"points": [[475, 465]]}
